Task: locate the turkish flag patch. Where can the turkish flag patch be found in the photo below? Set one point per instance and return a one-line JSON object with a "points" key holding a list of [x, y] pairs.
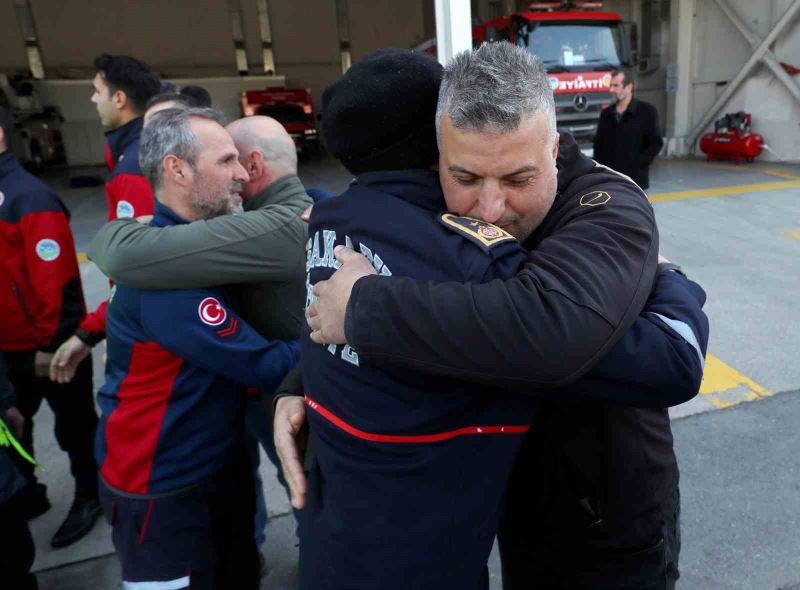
{"points": [[211, 312]]}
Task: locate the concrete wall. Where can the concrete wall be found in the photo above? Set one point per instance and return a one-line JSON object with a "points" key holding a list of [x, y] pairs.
{"points": [[12, 45], [712, 52], [720, 52]]}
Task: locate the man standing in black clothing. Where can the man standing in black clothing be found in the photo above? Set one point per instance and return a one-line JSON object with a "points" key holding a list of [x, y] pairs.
{"points": [[628, 137]]}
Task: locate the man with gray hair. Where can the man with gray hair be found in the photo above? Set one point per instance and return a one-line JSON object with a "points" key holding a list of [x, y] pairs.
{"points": [[593, 500], [262, 250], [175, 481]]}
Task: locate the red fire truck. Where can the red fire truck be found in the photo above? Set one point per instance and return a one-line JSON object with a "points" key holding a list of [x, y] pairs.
{"points": [[580, 46], [291, 107]]}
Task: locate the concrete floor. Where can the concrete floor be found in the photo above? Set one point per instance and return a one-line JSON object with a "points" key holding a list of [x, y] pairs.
{"points": [[734, 229]]}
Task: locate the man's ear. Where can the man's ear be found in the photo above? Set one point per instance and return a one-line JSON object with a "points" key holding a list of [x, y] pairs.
{"points": [[119, 99], [555, 146], [255, 165], [177, 171], [3, 146]]}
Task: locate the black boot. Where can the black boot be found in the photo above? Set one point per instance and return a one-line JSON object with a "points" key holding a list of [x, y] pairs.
{"points": [[80, 520]]}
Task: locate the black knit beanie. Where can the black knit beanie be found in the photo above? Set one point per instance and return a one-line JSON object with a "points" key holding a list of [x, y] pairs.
{"points": [[381, 114]]}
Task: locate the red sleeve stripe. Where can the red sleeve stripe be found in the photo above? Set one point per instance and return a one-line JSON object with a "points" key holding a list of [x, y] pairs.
{"points": [[411, 438]]}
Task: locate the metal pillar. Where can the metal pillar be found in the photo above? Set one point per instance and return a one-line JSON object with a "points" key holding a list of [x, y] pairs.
{"points": [[758, 55], [679, 72], [453, 28]]}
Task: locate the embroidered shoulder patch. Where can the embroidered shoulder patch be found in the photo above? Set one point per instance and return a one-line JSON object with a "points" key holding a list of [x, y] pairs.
{"points": [[484, 234]]}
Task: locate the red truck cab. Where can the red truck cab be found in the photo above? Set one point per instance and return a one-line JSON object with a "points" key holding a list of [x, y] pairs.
{"points": [[579, 45], [291, 107]]}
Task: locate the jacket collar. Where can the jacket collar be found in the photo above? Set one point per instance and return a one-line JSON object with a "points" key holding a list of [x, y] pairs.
{"points": [[8, 163], [121, 137], [164, 216], [420, 187], [276, 193]]}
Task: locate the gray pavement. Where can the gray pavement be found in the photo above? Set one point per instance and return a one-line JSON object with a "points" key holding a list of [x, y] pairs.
{"points": [[740, 488]]}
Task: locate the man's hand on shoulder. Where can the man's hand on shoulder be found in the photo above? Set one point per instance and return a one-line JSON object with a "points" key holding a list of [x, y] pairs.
{"points": [[291, 438], [326, 315]]}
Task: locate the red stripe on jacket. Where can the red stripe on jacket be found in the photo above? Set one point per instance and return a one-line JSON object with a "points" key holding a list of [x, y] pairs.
{"points": [[136, 192], [133, 428], [35, 311], [412, 438]]}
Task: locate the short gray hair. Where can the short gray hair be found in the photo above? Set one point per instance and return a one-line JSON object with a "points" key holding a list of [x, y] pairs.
{"points": [[169, 133], [496, 86]]}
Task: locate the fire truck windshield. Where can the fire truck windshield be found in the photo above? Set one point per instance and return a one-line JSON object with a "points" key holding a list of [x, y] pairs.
{"points": [[284, 113], [571, 47]]}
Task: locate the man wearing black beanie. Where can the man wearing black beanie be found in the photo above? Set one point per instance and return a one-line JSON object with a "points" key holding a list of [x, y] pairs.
{"points": [[392, 501], [411, 464]]}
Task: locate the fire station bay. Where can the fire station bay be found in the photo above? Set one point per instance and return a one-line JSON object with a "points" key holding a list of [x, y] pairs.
{"points": [[695, 101]]}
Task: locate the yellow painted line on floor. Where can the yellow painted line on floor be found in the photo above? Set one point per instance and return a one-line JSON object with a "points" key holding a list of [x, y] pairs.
{"points": [[82, 257], [724, 191], [785, 233], [780, 173], [734, 168], [724, 386]]}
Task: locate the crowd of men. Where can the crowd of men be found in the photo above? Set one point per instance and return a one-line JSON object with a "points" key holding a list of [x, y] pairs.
{"points": [[478, 338]]}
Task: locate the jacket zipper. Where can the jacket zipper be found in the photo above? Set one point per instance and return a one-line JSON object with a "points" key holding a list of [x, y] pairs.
{"points": [[25, 310]]}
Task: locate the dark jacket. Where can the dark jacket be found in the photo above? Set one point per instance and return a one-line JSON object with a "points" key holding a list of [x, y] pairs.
{"points": [[590, 269], [41, 299], [389, 441], [630, 144], [173, 400], [407, 488]]}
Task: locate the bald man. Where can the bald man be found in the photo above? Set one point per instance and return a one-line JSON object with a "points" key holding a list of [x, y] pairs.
{"points": [[262, 250]]}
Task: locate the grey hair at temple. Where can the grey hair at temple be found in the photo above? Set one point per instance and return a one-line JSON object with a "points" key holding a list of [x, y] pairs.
{"points": [[494, 88], [169, 133]]}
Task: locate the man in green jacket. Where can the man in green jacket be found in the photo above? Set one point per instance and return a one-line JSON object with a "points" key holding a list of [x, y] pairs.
{"points": [[222, 250]]}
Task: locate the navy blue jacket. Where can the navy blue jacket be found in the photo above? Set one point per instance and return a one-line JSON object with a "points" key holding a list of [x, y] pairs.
{"points": [[411, 469], [173, 401]]}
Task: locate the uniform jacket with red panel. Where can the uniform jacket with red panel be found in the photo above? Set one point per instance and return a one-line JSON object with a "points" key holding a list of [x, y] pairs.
{"points": [[128, 193], [173, 400], [41, 299]]}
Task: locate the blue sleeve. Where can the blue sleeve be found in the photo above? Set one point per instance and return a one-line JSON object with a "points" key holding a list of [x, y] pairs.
{"points": [[198, 326], [659, 362]]}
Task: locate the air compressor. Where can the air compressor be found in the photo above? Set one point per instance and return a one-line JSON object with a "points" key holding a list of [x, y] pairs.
{"points": [[732, 139]]}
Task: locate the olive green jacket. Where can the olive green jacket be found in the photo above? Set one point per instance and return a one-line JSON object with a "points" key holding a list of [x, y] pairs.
{"points": [[262, 250]]}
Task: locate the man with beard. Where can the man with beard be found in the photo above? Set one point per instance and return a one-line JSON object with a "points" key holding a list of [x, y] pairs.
{"points": [[594, 501], [271, 234], [176, 484], [628, 138]]}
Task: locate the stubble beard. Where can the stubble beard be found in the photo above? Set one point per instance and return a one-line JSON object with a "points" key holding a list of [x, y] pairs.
{"points": [[209, 204]]}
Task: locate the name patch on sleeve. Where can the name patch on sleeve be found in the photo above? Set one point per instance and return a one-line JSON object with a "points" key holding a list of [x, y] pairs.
{"points": [[483, 234]]}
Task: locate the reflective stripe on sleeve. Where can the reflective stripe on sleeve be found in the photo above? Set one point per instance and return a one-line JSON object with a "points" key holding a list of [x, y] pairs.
{"points": [[177, 584], [684, 331]]}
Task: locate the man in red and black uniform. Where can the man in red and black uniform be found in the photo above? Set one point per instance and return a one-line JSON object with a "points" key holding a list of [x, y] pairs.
{"points": [[41, 304], [122, 87]]}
